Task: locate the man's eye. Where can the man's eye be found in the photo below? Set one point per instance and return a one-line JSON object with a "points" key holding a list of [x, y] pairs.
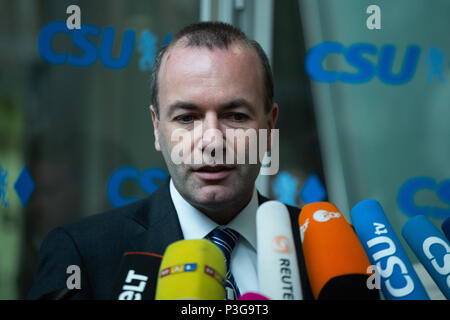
{"points": [[187, 118], [238, 117]]}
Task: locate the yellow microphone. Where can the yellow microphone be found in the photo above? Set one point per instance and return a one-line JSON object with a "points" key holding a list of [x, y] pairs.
{"points": [[191, 270]]}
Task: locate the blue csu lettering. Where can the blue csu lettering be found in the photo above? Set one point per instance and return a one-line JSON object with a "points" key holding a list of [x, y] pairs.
{"points": [[410, 188], [146, 180], [90, 52], [365, 69]]}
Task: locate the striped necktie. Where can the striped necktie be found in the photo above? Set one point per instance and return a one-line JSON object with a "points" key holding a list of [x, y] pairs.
{"points": [[225, 239]]}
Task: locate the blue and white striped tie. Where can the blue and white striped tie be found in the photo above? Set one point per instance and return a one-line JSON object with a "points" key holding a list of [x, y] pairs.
{"points": [[225, 239]]}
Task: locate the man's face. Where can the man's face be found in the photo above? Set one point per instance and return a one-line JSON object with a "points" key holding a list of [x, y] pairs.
{"points": [[216, 91]]}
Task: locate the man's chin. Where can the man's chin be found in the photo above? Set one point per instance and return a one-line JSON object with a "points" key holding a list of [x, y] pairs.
{"points": [[214, 194]]}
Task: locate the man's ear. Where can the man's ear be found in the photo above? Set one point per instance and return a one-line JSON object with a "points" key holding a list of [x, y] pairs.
{"points": [[272, 118], [155, 128]]}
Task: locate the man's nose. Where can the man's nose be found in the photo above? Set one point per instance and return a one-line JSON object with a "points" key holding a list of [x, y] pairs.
{"points": [[212, 133], [211, 121]]}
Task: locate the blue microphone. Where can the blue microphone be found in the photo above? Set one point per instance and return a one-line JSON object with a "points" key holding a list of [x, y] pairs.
{"points": [[432, 249], [446, 228], [398, 278]]}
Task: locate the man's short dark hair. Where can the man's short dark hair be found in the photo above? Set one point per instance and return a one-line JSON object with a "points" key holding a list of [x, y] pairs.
{"points": [[214, 35]]}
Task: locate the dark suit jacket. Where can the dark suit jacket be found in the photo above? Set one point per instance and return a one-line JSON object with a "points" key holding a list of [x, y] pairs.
{"points": [[96, 244]]}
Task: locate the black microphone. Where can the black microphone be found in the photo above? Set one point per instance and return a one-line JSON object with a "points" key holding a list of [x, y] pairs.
{"points": [[137, 276], [61, 294]]}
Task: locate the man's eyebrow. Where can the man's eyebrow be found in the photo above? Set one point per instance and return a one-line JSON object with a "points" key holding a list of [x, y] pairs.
{"points": [[182, 105], [235, 103]]}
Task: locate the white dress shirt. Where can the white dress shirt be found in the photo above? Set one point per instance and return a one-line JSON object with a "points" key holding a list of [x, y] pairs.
{"points": [[196, 225]]}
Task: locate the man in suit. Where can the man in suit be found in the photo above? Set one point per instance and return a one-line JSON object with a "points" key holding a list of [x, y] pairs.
{"points": [[210, 77]]}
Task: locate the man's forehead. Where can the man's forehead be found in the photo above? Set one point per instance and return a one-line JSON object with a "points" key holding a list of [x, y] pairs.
{"points": [[237, 49], [189, 73]]}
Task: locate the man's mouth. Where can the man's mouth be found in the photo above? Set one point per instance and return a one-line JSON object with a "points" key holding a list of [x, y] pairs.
{"points": [[215, 168], [216, 172]]}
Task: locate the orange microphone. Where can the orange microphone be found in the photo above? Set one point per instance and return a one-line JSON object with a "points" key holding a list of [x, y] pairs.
{"points": [[336, 263]]}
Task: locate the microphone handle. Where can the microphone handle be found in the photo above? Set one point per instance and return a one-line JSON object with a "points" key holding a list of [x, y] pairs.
{"points": [[61, 294]]}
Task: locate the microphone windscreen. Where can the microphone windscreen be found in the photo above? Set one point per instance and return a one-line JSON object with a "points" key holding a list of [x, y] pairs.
{"points": [[446, 228], [137, 276], [252, 296], [192, 270], [398, 278], [336, 263], [432, 249], [278, 272]]}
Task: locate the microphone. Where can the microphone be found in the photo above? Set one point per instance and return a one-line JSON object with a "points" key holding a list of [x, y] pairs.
{"points": [[192, 270], [62, 294], [432, 249], [336, 263], [137, 276], [446, 228], [252, 296], [278, 271], [398, 278]]}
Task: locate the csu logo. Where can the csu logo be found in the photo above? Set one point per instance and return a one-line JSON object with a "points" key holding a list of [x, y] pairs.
{"points": [[146, 180], [90, 52], [386, 251], [407, 197], [426, 247], [90, 49], [357, 57]]}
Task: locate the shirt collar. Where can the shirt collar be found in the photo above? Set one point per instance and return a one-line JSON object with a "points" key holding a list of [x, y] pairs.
{"points": [[196, 225]]}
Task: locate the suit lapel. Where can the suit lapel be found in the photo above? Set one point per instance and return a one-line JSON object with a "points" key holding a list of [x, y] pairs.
{"points": [[159, 223]]}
